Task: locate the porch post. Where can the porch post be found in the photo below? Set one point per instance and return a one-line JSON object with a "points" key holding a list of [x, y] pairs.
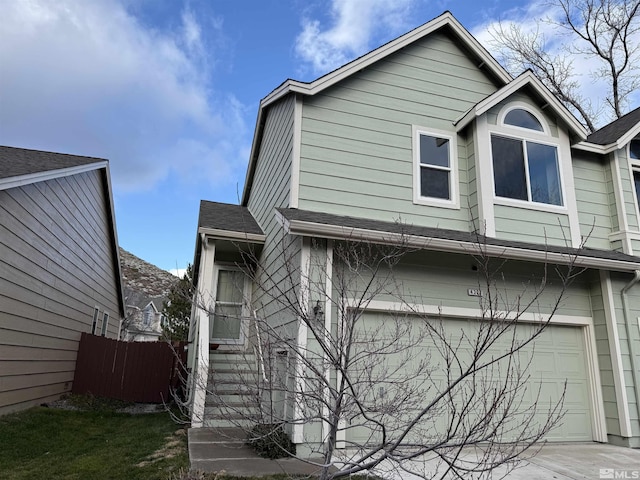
{"points": [[203, 299]]}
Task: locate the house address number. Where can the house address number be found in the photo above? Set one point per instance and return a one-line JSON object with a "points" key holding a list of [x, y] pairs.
{"points": [[474, 292]]}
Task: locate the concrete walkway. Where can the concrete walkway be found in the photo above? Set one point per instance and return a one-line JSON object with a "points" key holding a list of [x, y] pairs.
{"points": [[215, 450]]}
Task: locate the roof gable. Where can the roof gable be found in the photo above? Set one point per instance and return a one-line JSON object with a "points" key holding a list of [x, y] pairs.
{"points": [[527, 79], [444, 21], [21, 166]]}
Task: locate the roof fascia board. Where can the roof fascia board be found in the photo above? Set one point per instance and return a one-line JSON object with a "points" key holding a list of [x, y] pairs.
{"points": [[627, 137], [21, 180], [299, 227], [216, 233], [257, 136], [116, 242], [527, 78], [595, 148], [604, 149], [381, 52]]}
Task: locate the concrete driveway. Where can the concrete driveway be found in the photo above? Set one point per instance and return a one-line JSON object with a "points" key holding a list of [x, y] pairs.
{"points": [[571, 461], [214, 450], [580, 461]]}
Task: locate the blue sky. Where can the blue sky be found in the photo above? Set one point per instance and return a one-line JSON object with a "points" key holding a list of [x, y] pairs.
{"points": [[168, 90]]}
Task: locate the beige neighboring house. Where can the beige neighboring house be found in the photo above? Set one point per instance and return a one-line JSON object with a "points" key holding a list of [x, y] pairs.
{"points": [[144, 320], [59, 270]]}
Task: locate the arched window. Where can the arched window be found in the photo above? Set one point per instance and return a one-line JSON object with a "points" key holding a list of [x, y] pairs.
{"points": [[523, 119]]}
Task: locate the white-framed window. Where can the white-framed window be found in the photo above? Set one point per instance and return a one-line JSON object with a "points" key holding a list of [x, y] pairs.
{"points": [[634, 149], [230, 304], [105, 323], [147, 316], [96, 316], [525, 160], [435, 176], [634, 160]]}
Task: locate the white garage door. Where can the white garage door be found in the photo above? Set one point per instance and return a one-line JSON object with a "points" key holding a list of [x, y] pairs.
{"points": [[558, 355]]}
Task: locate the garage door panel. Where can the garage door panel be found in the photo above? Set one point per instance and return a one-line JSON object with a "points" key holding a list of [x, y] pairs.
{"points": [[558, 355], [576, 394], [570, 363]]}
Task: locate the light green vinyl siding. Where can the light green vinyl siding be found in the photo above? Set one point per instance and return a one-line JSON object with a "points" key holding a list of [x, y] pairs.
{"points": [[592, 178], [533, 226], [607, 381], [629, 342], [472, 177], [270, 190], [356, 147], [628, 189]]}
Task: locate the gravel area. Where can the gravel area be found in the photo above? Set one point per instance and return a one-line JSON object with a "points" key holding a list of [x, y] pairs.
{"points": [[134, 408]]}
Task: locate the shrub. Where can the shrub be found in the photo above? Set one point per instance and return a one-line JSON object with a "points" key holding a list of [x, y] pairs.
{"points": [[271, 441]]}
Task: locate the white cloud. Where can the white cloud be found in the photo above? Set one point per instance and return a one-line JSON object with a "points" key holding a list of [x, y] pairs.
{"points": [[353, 24], [178, 272], [87, 77], [556, 41]]}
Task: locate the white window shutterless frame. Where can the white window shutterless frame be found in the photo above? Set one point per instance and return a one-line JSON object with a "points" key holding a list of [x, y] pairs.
{"points": [[231, 306]]}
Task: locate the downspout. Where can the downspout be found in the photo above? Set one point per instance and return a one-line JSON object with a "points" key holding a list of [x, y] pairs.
{"points": [[627, 325]]}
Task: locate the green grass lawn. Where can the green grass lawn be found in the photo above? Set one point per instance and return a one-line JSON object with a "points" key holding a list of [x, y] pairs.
{"points": [[47, 443]]}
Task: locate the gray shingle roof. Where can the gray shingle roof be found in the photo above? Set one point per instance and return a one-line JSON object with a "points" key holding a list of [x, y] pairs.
{"points": [[15, 162], [225, 216], [441, 233], [612, 132]]}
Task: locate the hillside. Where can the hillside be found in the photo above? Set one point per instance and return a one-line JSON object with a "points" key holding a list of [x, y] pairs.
{"points": [[143, 277]]}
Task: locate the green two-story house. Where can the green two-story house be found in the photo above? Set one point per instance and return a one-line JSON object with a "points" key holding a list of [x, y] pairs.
{"points": [[427, 141]]}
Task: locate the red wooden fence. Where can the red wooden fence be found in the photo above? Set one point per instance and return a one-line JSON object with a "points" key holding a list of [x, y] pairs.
{"points": [[129, 371]]}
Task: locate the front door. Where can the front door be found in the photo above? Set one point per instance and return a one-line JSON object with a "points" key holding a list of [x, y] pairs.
{"points": [[228, 320]]}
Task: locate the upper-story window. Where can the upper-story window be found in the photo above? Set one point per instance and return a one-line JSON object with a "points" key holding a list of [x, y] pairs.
{"points": [[525, 163], [148, 316], [435, 168], [634, 149], [519, 117], [634, 155]]}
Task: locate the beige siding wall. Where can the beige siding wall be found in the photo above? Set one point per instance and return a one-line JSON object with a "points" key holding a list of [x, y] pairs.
{"points": [[356, 149], [56, 266]]}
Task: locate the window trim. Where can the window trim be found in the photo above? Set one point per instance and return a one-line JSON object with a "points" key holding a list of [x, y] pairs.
{"points": [[96, 317], [105, 324], [527, 135], [454, 187], [634, 167], [546, 131], [244, 308]]}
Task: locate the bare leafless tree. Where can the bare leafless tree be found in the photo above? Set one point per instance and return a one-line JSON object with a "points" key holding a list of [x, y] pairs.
{"points": [[605, 30], [395, 388]]}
